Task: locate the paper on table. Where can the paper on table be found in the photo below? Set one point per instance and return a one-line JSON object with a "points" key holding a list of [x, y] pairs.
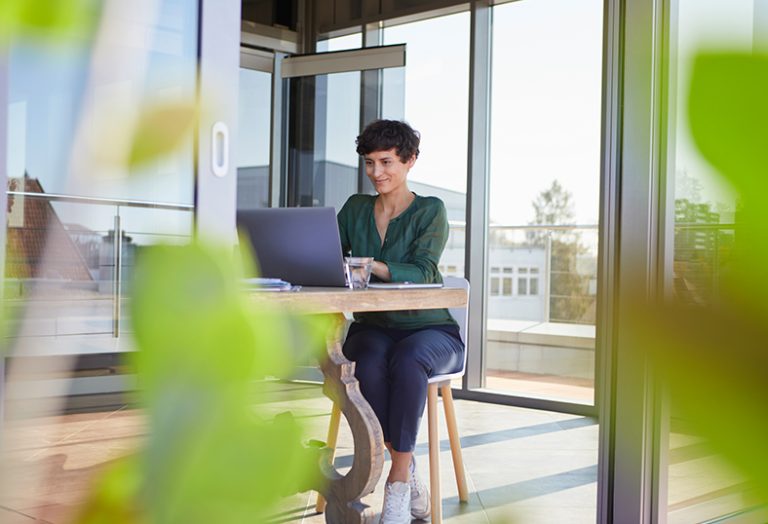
{"points": [[404, 285], [268, 284]]}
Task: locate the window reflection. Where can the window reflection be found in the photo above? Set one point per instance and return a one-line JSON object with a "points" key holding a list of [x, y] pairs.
{"points": [[74, 230], [705, 212], [47, 105]]}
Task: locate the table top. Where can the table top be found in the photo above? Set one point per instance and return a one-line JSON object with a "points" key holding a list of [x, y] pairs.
{"points": [[340, 300]]}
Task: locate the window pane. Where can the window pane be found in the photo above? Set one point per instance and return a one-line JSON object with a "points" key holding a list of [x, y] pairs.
{"points": [[507, 287], [522, 286], [338, 115], [69, 259], [533, 286], [545, 166], [341, 43], [437, 54], [323, 163], [49, 109], [253, 139], [704, 239]]}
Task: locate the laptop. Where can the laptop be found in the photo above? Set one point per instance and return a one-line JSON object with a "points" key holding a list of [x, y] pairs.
{"points": [[298, 244]]}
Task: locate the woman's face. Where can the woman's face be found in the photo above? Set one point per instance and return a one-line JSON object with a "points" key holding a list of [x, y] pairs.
{"points": [[386, 171]]}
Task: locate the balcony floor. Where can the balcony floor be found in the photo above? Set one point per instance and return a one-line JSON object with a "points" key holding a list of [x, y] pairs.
{"points": [[522, 465]]}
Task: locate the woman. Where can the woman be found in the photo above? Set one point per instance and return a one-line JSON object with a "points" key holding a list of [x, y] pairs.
{"points": [[396, 352]]}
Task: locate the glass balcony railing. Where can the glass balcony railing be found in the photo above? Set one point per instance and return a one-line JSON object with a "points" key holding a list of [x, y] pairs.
{"points": [[541, 287], [65, 273]]}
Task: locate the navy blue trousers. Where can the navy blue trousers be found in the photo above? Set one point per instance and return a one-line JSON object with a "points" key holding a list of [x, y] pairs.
{"points": [[393, 365]]}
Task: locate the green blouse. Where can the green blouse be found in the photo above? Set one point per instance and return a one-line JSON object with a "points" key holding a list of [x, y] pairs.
{"points": [[412, 246]]}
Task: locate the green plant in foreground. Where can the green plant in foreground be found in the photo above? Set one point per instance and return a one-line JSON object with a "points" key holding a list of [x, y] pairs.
{"points": [[209, 456], [714, 358], [48, 18]]}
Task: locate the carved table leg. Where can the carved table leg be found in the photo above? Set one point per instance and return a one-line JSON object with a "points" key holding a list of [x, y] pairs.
{"points": [[343, 493]]}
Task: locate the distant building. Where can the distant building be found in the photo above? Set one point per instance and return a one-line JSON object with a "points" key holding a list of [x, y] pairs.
{"points": [[701, 251], [34, 230]]}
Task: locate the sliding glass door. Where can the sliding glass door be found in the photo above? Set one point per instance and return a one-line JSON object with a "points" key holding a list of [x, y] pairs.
{"points": [[82, 200]]}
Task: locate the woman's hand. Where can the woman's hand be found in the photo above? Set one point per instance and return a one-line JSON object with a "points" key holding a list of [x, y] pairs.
{"points": [[381, 270]]}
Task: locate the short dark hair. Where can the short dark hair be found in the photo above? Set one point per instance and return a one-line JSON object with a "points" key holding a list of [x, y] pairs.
{"points": [[383, 135]]}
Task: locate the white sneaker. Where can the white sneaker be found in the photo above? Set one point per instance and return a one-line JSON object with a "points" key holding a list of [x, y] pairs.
{"points": [[420, 506], [397, 503]]}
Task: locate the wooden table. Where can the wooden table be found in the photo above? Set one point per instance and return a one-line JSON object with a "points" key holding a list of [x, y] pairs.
{"points": [[343, 493]]}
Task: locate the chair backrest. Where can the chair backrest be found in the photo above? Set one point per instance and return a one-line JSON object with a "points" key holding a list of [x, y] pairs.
{"points": [[461, 316]]}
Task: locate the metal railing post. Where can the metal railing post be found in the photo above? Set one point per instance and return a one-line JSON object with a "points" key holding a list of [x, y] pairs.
{"points": [[548, 273], [117, 276]]}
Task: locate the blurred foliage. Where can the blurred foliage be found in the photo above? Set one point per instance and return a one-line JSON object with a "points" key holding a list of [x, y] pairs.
{"points": [[161, 128], [202, 342], [42, 19], [713, 357], [153, 129], [209, 455]]}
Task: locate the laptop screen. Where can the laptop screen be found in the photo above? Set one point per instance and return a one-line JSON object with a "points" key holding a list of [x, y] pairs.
{"points": [[297, 244]]}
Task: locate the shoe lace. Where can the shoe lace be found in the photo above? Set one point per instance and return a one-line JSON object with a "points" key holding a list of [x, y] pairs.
{"points": [[394, 503], [416, 485]]}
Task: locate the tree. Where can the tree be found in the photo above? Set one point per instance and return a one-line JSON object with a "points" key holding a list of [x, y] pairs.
{"points": [[569, 298], [553, 206]]}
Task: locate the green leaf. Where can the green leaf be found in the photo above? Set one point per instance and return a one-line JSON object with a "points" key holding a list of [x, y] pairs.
{"points": [[728, 113]]}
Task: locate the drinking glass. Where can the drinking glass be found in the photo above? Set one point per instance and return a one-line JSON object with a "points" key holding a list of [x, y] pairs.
{"points": [[358, 271]]}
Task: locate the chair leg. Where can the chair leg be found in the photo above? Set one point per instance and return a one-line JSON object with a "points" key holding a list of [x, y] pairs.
{"points": [[453, 436], [434, 455], [333, 436]]}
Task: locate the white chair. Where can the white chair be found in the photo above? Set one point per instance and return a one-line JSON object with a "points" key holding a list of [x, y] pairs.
{"points": [[443, 382]]}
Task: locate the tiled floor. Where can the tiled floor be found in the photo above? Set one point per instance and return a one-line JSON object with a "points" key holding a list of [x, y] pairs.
{"points": [[523, 466], [48, 462]]}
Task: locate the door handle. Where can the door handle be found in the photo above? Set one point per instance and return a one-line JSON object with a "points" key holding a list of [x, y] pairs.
{"points": [[220, 149]]}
